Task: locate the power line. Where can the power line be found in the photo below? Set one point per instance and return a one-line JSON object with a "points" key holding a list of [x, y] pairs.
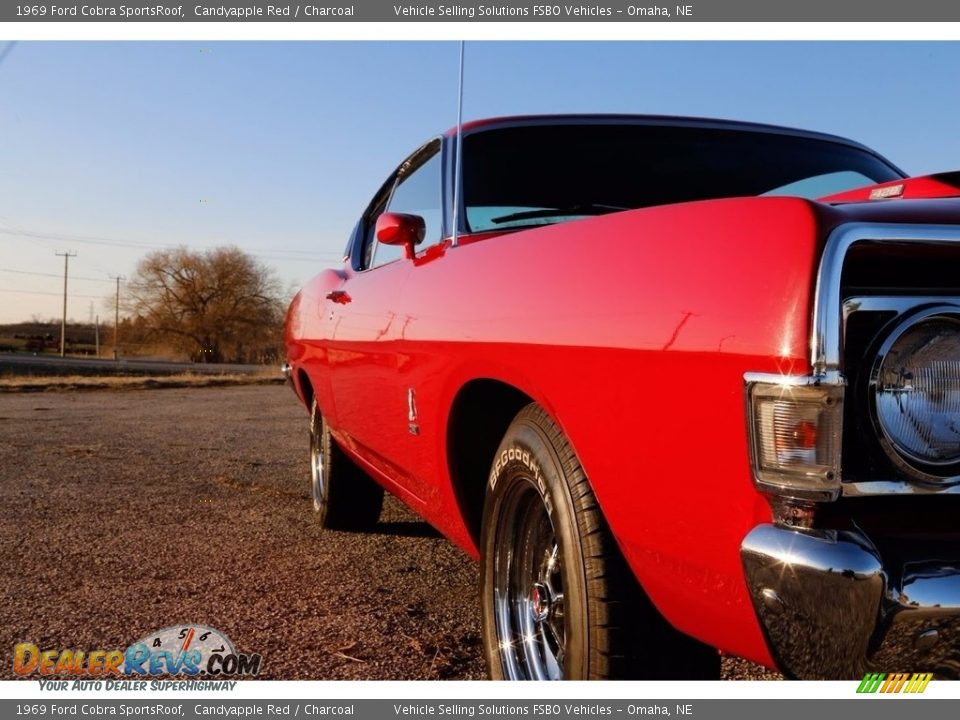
{"points": [[274, 253], [56, 275], [41, 292]]}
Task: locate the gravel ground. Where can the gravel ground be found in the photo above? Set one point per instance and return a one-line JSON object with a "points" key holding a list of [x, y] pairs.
{"points": [[122, 512]]}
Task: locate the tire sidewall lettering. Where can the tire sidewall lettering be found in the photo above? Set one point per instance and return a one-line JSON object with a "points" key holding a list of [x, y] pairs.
{"points": [[523, 456]]}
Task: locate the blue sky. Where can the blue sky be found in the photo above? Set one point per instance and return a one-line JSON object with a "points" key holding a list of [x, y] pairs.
{"points": [[112, 149]]}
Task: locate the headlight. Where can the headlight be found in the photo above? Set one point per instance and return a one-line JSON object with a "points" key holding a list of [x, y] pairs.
{"points": [[916, 393]]}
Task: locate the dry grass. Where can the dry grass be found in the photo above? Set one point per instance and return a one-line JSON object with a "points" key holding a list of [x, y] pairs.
{"points": [[121, 382]]}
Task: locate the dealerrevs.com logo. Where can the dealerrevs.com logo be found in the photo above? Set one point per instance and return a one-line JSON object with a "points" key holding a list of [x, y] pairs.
{"points": [[191, 650]]}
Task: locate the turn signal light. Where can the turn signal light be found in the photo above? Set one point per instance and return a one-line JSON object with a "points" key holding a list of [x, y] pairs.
{"points": [[795, 426], [804, 435]]}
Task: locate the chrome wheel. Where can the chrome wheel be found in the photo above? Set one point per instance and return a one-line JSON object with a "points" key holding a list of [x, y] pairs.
{"points": [[528, 588], [317, 468], [344, 497]]}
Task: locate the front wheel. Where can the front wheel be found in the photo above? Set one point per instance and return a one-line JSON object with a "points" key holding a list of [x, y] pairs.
{"points": [[344, 497], [558, 599]]}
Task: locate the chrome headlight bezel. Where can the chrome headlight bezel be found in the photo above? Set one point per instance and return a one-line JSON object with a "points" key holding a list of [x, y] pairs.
{"points": [[904, 458]]}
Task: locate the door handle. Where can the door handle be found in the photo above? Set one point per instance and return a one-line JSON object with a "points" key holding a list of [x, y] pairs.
{"points": [[338, 296]]}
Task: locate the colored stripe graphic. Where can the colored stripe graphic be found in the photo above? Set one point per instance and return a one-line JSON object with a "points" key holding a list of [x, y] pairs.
{"points": [[871, 682], [894, 683], [903, 681], [919, 682]]}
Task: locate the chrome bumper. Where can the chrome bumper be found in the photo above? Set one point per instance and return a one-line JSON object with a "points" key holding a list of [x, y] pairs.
{"points": [[829, 609]]}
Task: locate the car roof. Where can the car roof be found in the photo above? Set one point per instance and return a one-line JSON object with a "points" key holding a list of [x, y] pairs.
{"points": [[656, 120]]}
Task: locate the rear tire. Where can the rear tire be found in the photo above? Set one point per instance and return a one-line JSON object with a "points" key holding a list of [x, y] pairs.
{"points": [[344, 497], [558, 599]]}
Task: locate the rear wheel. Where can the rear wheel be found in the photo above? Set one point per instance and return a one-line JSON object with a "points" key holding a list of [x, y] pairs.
{"points": [[344, 497], [558, 599]]}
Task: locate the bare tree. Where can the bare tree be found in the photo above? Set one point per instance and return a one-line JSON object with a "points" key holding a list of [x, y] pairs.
{"points": [[218, 305]]}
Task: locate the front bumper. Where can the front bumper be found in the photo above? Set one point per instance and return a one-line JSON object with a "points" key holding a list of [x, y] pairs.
{"points": [[830, 610]]}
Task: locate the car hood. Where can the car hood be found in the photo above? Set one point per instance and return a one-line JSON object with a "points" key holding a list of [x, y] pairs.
{"points": [[940, 185], [925, 200]]}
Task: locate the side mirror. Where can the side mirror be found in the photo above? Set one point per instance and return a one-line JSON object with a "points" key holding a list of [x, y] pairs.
{"points": [[400, 229]]}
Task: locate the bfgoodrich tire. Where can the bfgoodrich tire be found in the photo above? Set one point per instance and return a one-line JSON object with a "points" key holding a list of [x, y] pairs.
{"points": [[344, 497], [558, 600]]}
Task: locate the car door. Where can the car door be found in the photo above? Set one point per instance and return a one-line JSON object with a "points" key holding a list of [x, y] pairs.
{"points": [[368, 319]]}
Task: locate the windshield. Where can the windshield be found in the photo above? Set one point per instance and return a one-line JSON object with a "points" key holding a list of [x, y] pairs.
{"points": [[523, 176]]}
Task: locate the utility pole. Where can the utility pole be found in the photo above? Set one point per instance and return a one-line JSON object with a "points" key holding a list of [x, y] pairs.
{"points": [[97, 336], [116, 318], [63, 323]]}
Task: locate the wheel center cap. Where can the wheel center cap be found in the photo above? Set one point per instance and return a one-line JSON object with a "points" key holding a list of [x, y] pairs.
{"points": [[540, 602]]}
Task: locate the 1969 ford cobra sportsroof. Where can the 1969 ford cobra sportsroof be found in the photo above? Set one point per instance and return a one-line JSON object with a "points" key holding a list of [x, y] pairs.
{"points": [[681, 385]]}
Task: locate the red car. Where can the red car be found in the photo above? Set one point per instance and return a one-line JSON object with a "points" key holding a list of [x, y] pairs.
{"points": [[681, 385]]}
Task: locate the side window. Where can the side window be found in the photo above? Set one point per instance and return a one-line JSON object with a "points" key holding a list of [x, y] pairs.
{"points": [[350, 253], [418, 194], [369, 241]]}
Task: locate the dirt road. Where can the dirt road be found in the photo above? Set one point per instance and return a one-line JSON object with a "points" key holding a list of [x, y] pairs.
{"points": [[125, 512]]}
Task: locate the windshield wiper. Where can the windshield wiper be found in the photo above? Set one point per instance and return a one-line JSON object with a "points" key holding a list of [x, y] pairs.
{"points": [[581, 209]]}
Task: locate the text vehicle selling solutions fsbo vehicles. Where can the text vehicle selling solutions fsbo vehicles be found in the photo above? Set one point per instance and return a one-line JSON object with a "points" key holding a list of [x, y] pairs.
{"points": [[681, 385]]}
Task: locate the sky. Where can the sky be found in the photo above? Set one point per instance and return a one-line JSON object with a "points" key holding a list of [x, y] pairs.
{"points": [[113, 149]]}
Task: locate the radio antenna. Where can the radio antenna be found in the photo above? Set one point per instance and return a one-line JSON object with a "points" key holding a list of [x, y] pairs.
{"points": [[458, 161]]}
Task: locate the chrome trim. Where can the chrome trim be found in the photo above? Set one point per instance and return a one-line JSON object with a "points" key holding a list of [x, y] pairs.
{"points": [[458, 159], [830, 316], [826, 342], [828, 588], [869, 488], [751, 378], [924, 620], [829, 610], [899, 304]]}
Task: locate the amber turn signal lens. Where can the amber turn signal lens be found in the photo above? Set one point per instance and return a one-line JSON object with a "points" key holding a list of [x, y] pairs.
{"points": [[805, 435], [795, 426]]}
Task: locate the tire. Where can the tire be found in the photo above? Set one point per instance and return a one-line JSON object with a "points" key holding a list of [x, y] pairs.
{"points": [[344, 497], [558, 599]]}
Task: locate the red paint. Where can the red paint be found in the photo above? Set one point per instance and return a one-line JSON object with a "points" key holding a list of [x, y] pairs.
{"points": [[632, 330], [638, 352]]}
